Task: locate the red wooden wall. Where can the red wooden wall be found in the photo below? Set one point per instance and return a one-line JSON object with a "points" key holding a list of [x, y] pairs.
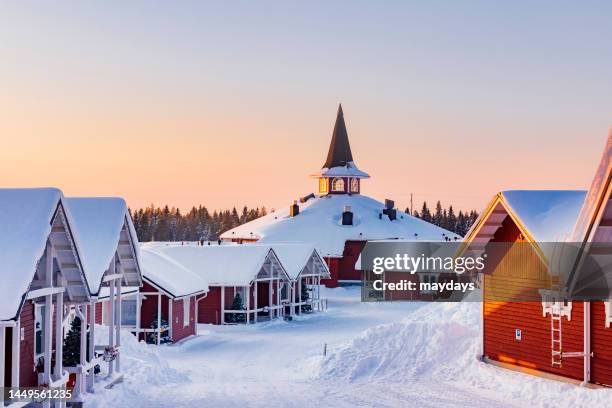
{"points": [[179, 331], [601, 346]]}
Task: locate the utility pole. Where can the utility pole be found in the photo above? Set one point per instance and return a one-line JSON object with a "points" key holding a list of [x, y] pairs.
{"points": [[411, 213]]}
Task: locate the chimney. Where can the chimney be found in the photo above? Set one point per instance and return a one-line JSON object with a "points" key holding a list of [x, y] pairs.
{"points": [[347, 216], [294, 209], [389, 210]]}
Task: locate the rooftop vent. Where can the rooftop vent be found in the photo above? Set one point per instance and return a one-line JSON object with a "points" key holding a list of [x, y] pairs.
{"points": [[306, 198], [389, 210], [294, 209], [347, 216]]}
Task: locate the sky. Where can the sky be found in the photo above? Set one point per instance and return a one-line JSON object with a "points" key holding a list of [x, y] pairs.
{"points": [[233, 103]]}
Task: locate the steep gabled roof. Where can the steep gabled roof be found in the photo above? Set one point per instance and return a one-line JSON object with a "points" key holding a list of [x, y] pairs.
{"points": [[29, 218], [104, 227], [339, 154]]}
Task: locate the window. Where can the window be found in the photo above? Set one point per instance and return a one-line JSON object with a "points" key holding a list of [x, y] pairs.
{"points": [[322, 185], [39, 331], [128, 312], [354, 185], [285, 291], [186, 310], [338, 184], [427, 283]]}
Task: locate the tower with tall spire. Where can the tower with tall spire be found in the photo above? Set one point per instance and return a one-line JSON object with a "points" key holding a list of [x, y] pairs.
{"points": [[339, 174]]}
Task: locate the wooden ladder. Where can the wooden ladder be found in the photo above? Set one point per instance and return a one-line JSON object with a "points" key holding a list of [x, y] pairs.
{"points": [[556, 336]]}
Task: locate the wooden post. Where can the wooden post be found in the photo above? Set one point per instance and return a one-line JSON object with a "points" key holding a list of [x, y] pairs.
{"points": [[16, 353], [278, 297], [92, 325], [111, 322], [138, 315], [159, 319], [248, 304], [300, 296], [255, 300], [222, 304], [48, 330], [118, 322], [59, 340], [270, 298], [170, 317], [293, 286]]}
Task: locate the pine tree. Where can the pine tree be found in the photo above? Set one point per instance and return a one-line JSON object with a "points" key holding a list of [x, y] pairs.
{"points": [[72, 345], [425, 214], [305, 297], [451, 221], [237, 305], [165, 335], [438, 217]]}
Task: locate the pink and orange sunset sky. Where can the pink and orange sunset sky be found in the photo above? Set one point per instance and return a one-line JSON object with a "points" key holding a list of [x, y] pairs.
{"points": [[233, 104]]}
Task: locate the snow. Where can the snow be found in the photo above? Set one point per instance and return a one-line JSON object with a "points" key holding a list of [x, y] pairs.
{"points": [[25, 224], [350, 170], [294, 257], [218, 265], [98, 223], [168, 274], [548, 215], [319, 223], [378, 354]]}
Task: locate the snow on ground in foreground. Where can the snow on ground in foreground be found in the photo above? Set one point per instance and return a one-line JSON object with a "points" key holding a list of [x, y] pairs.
{"points": [[379, 354]]}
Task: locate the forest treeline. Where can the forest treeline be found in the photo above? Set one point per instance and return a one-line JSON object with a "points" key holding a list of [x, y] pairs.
{"points": [[170, 224], [447, 218]]}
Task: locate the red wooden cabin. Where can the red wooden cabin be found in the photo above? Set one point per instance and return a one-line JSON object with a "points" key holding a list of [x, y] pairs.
{"points": [[43, 275], [545, 333], [168, 294]]}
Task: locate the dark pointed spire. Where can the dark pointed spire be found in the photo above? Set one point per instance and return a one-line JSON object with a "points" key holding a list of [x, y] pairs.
{"points": [[339, 149]]}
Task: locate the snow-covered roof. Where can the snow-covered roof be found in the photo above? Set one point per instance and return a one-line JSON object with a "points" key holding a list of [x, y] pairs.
{"points": [[548, 215], [27, 219], [350, 170], [596, 203], [168, 274], [218, 265], [104, 226], [320, 223], [299, 258]]}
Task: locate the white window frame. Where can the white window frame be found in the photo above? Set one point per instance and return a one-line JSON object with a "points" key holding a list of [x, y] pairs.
{"points": [[39, 313], [354, 184], [186, 311], [339, 180]]}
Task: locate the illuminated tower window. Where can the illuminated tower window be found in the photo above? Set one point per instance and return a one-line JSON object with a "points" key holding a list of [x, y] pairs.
{"points": [[338, 184]]}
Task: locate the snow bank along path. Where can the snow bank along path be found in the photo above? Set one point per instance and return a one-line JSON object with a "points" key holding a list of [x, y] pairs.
{"points": [[379, 354]]}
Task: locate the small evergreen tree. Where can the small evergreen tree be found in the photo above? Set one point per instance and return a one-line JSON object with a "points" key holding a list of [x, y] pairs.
{"points": [[165, 335], [237, 305], [72, 345], [305, 297]]}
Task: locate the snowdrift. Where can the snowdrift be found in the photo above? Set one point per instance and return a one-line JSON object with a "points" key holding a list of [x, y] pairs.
{"points": [[438, 346]]}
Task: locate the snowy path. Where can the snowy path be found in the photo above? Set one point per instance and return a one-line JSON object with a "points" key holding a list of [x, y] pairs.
{"points": [[384, 355]]}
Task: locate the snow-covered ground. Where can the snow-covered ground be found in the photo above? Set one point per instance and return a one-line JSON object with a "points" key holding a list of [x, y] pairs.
{"points": [[378, 354]]}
